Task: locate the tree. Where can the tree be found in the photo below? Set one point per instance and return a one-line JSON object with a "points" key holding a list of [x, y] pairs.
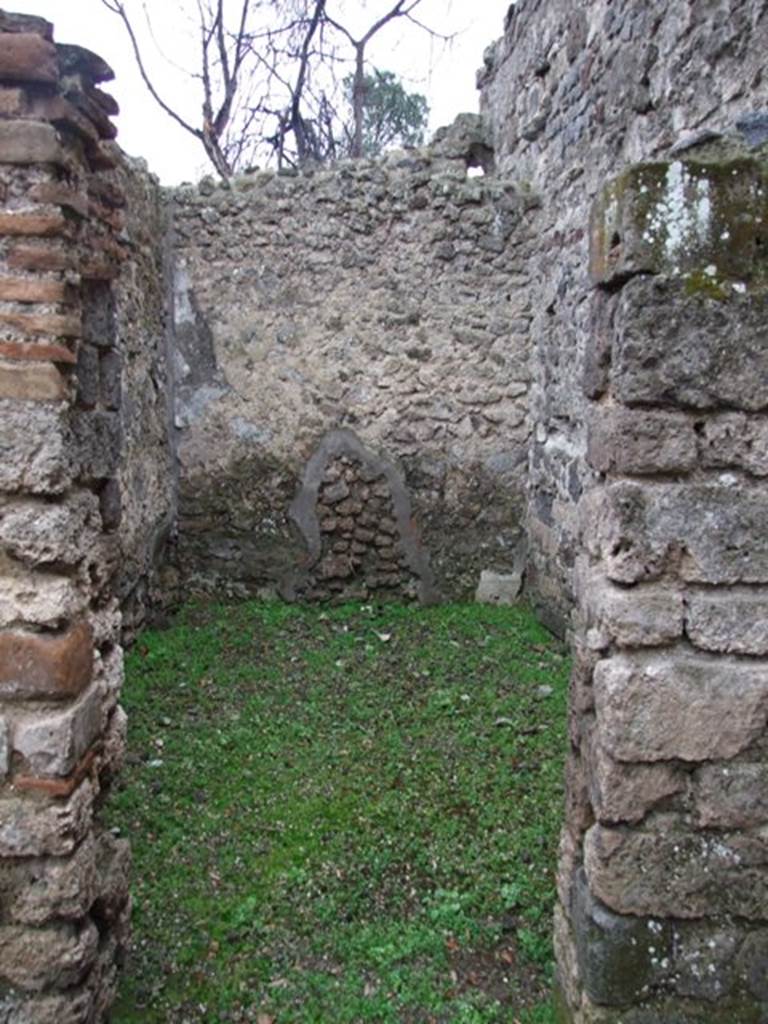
{"points": [[389, 114], [269, 75]]}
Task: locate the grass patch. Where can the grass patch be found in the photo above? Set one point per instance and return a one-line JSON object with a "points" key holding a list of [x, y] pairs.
{"points": [[342, 816]]}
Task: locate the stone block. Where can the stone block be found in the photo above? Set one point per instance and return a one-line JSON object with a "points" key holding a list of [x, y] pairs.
{"points": [[704, 533], [50, 743], [671, 1010], [499, 588], [71, 1007], [115, 744], [30, 142], [99, 327], [64, 115], [12, 101], [27, 57], [110, 669], [35, 453], [578, 806], [629, 441], [42, 599], [674, 349], [735, 441], [731, 795], [39, 827], [678, 706], [106, 621], [639, 616], [627, 792], [620, 958], [5, 761], [581, 697], [87, 374], [568, 861], [111, 505], [98, 440], [39, 890], [36, 382], [684, 874], [56, 956], [687, 218], [110, 379], [114, 876], [39, 532], [41, 666], [753, 964], [733, 621], [597, 354], [568, 980], [704, 963], [31, 289], [57, 194]]}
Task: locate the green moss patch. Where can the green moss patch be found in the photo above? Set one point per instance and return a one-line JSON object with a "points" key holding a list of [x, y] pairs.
{"points": [[343, 816], [703, 218]]}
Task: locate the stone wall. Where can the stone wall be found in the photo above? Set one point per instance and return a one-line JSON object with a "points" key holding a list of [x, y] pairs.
{"points": [[385, 299], [341, 407], [663, 877], [573, 93], [63, 878], [644, 129], [147, 474]]}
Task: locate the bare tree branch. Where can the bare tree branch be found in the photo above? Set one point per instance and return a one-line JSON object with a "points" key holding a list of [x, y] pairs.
{"points": [[271, 80], [117, 8]]}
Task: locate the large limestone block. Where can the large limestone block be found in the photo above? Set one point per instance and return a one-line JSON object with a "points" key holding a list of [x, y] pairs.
{"points": [[41, 889], [674, 349], [690, 218], [114, 872], [27, 57], [645, 615], [35, 448], [734, 621], [98, 438], [37, 531], [678, 706], [703, 533], [732, 795], [627, 441], [45, 828], [41, 598], [52, 742], [57, 956], [670, 871], [733, 440], [627, 792]]}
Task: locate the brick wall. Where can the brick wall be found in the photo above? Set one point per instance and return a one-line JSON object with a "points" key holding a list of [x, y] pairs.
{"points": [[64, 906]]}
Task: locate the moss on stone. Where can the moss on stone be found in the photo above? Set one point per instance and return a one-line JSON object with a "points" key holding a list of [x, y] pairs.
{"points": [[705, 285], [703, 219]]}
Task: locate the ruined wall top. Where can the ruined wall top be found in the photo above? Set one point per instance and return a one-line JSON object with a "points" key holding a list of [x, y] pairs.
{"points": [[578, 89]]}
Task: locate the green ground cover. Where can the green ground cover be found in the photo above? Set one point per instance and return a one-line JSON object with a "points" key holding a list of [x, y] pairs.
{"points": [[342, 816]]}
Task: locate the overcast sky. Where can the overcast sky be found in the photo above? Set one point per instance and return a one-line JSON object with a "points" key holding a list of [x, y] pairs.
{"points": [[444, 73]]}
